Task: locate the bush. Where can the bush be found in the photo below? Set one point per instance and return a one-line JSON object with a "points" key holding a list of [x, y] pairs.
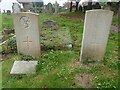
{"points": [[12, 46], [9, 47], [5, 50]]}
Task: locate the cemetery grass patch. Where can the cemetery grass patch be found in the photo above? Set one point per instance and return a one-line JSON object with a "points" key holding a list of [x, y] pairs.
{"points": [[59, 68], [7, 21]]}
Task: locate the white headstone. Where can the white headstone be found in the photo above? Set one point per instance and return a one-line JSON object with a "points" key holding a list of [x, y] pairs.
{"points": [[16, 8], [27, 33], [24, 67], [95, 35]]}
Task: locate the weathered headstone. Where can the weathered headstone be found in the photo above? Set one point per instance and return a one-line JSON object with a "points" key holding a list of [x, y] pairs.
{"points": [[16, 8], [56, 7], [95, 36], [27, 33], [49, 8], [24, 67]]}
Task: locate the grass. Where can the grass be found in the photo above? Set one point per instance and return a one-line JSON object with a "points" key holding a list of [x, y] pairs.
{"points": [[58, 68], [0, 21], [116, 21], [7, 21]]}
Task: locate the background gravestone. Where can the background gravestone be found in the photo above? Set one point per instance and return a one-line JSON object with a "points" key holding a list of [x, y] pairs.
{"points": [[56, 7], [16, 8], [49, 8], [95, 36], [27, 33]]}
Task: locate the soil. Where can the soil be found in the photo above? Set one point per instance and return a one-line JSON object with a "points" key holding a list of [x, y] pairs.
{"points": [[83, 80], [115, 28], [74, 17]]}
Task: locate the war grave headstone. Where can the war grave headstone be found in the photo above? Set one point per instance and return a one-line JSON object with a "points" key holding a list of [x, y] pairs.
{"points": [[95, 35], [27, 33], [28, 41], [16, 8]]}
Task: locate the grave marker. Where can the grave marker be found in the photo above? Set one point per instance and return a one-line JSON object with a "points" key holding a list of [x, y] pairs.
{"points": [[27, 33], [56, 7], [16, 8], [95, 36], [24, 67]]}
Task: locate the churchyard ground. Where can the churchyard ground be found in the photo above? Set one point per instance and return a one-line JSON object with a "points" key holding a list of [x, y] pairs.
{"points": [[60, 67]]}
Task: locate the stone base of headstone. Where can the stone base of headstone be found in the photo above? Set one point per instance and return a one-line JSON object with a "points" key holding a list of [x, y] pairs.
{"points": [[24, 67]]}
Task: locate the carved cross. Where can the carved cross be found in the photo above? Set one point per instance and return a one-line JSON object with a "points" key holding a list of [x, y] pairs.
{"points": [[27, 41]]}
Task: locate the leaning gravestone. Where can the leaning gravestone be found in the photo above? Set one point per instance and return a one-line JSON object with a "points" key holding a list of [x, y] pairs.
{"points": [[27, 33], [95, 36]]}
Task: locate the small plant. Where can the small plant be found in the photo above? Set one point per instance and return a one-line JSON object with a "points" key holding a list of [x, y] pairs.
{"points": [[4, 50], [27, 57], [12, 45]]}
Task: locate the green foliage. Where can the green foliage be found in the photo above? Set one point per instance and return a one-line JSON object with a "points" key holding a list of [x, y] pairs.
{"points": [[103, 82], [27, 58], [4, 50], [7, 21], [9, 47], [52, 60], [12, 45], [116, 20], [57, 69]]}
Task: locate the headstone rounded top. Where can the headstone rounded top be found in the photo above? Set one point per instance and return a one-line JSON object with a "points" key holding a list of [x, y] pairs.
{"points": [[99, 10], [27, 13]]}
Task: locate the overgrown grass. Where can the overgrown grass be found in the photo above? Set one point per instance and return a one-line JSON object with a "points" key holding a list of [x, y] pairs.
{"points": [[7, 21], [57, 68], [116, 20]]}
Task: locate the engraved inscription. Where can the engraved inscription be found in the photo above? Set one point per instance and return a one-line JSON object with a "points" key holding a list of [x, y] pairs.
{"points": [[25, 21]]}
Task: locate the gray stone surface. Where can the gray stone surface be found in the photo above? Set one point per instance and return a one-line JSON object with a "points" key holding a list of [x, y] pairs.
{"points": [[27, 33], [24, 67], [16, 8], [56, 7], [95, 35]]}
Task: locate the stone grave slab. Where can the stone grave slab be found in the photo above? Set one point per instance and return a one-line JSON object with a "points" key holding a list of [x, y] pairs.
{"points": [[24, 67], [27, 33], [95, 35]]}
